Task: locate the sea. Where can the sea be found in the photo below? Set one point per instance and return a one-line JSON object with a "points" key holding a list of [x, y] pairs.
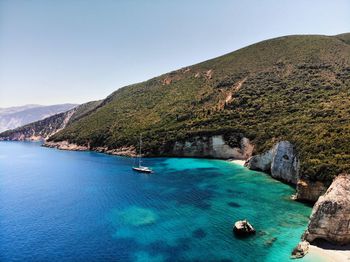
{"points": [[85, 206]]}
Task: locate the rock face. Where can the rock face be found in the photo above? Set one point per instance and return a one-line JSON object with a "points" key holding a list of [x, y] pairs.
{"points": [[129, 151], [65, 145], [330, 217], [310, 190], [243, 228], [198, 146], [261, 162], [281, 162], [212, 147]]}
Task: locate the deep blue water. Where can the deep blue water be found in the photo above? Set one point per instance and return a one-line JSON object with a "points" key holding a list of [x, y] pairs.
{"points": [[85, 206]]}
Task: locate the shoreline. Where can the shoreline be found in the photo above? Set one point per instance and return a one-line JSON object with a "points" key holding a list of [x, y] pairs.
{"points": [[329, 254], [237, 161], [326, 252]]}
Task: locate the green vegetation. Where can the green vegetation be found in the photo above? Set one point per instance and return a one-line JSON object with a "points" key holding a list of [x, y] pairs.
{"points": [[294, 88]]}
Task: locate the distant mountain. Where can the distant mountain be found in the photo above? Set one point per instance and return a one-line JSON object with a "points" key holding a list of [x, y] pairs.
{"points": [[48, 126], [13, 117], [15, 109]]}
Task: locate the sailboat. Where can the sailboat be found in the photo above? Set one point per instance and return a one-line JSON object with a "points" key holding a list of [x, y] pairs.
{"points": [[139, 167]]}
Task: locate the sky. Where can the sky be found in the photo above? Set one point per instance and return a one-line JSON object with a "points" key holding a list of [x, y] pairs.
{"points": [[75, 51]]}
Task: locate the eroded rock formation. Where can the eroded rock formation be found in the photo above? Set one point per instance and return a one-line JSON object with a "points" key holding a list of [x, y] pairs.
{"points": [[129, 151], [212, 147], [310, 191], [330, 217], [301, 249], [281, 162]]}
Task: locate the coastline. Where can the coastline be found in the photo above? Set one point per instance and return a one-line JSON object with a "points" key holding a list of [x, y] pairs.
{"points": [[329, 254], [320, 252], [237, 161], [128, 151]]}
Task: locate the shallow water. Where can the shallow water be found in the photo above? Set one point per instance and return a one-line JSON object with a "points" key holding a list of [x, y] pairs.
{"points": [[84, 206]]}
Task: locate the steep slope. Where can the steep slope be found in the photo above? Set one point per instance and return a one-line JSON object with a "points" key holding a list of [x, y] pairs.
{"points": [[11, 118], [46, 127], [293, 88]]}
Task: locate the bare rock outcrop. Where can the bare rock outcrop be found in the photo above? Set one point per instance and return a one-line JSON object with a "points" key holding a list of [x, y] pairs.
{"points": [[281, 162], [301, 249], [243, 228], [330, 217], [212, 147], [261, 162], [310, 191], [65, 145], [129, 151]]}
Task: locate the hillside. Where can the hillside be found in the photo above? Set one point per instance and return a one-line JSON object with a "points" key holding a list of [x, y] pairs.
{"points": [[294, 88], [13, 117]]}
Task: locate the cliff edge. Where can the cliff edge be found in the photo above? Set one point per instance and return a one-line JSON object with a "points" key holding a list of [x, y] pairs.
{"points": [[330, 217]]}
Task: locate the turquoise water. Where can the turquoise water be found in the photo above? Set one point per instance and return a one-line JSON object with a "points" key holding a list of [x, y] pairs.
{"points": [[84, 206]]}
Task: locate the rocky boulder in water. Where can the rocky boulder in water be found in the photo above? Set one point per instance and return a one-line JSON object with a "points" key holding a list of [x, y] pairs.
{"points": [[243, 228], [301, 249], [330, 217]]}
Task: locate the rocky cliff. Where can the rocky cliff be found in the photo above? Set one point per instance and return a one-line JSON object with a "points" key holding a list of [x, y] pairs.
{"points": [[212, 147], [310, 191], [120, 151], [198, 146], [281, 162], [330, 218]]}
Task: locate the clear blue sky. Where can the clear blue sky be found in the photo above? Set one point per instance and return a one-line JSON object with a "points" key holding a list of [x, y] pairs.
{"points": [[81, 50]]}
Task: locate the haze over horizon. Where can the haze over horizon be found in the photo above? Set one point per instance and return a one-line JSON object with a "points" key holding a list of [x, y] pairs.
{"points": [[75, 52]]}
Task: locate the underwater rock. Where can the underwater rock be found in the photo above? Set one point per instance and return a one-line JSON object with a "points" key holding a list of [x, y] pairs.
{"points": [[137, 216], [234, 204], [270, 241], [199, 233]]}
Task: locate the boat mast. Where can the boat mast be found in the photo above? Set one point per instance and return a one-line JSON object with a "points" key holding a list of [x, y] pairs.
{"points": [[140, 151]]}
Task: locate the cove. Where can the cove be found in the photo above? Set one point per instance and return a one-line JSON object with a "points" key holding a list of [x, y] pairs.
{"points": [[86, 206]]}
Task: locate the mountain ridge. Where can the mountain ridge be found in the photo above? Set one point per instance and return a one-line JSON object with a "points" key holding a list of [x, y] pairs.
{"points": [[13, 117]]}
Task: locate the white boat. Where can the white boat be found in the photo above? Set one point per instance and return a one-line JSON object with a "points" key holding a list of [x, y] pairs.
{"points": [[142, 169], [139, 167]]}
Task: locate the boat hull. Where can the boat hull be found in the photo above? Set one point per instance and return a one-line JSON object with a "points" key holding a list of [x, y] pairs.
{"points": [[142, 170]]}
